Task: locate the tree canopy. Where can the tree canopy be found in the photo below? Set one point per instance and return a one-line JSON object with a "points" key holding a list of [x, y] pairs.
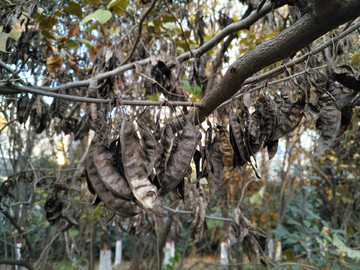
{"points": [[129, 116]]}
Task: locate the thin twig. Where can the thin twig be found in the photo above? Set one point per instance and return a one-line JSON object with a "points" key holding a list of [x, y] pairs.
{"points": [[182, 30], [243, 192], [192, 212], [45, 249], [8, 123], [290, 263], [153, 3]]}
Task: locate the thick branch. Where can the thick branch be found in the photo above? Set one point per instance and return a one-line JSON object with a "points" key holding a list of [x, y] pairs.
{"points": [[285, 44], [24, 263]]}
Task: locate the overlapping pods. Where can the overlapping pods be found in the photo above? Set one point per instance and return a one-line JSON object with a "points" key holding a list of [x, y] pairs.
{"points": [[135, 170], [180, 161]]}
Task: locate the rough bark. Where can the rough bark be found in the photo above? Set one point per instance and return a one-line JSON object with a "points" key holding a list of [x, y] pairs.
{"points": [[310, 27]]}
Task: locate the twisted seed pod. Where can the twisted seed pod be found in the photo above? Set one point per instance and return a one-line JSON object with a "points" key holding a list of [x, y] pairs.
{"points": [[226, 149], [135, 170], [112, 201], [199, 219], [109, 175], [149, 146], [165, 148], [181, 159]]}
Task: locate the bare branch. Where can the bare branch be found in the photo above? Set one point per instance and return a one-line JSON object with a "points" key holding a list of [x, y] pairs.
{"points": [[139, 34], [24, 263]]}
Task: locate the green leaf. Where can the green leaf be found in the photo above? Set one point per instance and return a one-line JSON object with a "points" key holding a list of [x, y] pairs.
{"points": [[47, 34], [89, 17], [352, 253], [294, 222], [187, 87], [73, 233], [203, 181], [103, 15], [71, 44], [3, 39], [85, 41], [118, 3], [323, 222], [290, 241], [74, 8], [174, 259], [307, 223]]}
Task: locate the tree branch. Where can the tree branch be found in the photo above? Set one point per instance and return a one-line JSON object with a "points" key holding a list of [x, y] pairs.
{"points": [[24, 263], [139, 34], [13, 221], [285, 44], [232, 28]]}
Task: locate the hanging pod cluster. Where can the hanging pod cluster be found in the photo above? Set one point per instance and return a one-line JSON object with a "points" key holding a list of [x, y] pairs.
{"points": [[245, 235], [197, 204], [122, 173], [117, 174], [174, 156], [269, 121]]}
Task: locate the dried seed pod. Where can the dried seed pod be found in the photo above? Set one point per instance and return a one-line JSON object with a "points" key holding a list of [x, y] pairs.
{"points": [[23, 111], [149, 146], [226, 149], [347, 117], [238, 136], [181, 159], [112, 201], [135, 170], [288, 122], [198, 223], [272, 148], [329, 123], [166, 143], [114, 181], [237, 161]]}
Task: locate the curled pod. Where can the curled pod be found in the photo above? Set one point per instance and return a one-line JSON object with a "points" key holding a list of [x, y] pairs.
{"points": [[180, 160], [347, 117], [289, 121], [149, 146], [200, 225], [135, 170], [109, 198], [238, 136], [165, 146], [108, 173], [227, 152], [237, 160], [329, 123]]}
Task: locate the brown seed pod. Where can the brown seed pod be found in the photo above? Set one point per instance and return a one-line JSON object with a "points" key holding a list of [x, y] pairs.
{"points": [[226, 149], [149, 145], [288, 122], [112, 201], [238, 136], [198, 223], [237, 161], [114, 181], [181, 159], [164, 151], [329, 123], [135, 170], [347, 117], [272, 148]]}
